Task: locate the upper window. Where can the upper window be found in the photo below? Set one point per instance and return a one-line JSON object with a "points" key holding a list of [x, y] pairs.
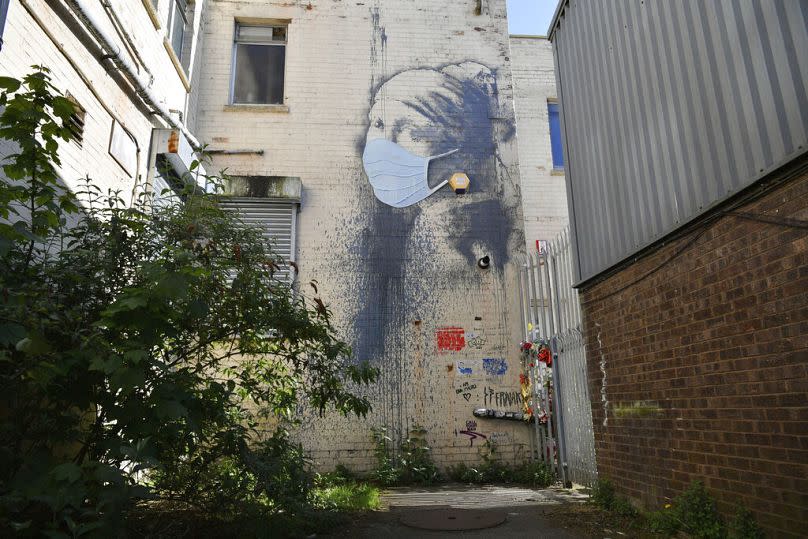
{"points": [[259, 59], [3, 11], [555, 136], [177, 23]]}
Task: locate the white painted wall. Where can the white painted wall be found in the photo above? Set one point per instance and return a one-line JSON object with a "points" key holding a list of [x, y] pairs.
{"points": [[411, 270], [544, 195], [27, 43]]}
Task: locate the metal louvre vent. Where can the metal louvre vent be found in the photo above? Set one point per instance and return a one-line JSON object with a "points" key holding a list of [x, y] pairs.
{"points": [[277, 220]]}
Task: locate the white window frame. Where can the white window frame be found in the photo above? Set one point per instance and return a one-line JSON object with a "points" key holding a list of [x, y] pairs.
{"points": [[173, 8], [236, 42]]}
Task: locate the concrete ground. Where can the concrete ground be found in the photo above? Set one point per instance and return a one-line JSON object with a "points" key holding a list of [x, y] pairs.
{"points": [[528, 513]]}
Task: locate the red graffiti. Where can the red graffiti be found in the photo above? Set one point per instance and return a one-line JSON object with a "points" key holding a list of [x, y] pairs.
{"points": [[450, 339]]}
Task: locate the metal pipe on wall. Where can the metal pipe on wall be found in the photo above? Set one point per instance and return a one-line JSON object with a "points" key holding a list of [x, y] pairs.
{"points": [[84, 15]]}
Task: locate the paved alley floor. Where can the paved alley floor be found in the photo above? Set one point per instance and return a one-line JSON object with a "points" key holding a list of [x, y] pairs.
{"points": [[528, 513]]}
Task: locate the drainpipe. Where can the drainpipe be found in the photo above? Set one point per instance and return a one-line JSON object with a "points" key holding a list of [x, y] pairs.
{"points": [[122, 32], [83, 13]]}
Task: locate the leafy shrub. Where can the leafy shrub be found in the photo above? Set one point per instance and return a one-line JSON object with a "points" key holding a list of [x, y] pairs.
{"points": [[533, 474], [412, 465], [695, 509], [603, 494], [142, 346], [744, 526]]}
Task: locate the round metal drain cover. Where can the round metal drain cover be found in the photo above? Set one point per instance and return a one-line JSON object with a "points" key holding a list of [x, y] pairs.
{"points": [[449, 519]]}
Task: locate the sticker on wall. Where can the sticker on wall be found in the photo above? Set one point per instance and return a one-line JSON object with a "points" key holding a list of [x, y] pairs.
{"points": [[495, 366], [398, 177], [450, 339], [464, 367]]}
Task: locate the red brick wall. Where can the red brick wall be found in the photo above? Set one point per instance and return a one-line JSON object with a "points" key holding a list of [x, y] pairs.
{"points": [[712, 352]]}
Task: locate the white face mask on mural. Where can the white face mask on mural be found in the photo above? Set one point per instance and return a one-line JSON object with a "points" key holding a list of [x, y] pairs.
{"points": [[399, 178]]}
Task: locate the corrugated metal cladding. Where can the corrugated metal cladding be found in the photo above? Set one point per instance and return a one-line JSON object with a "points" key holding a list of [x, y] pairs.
{"points": [[670, 107], [277, 220]]}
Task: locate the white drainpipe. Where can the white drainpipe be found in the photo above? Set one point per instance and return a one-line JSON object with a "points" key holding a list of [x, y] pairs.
{"points": [[81, 9]]}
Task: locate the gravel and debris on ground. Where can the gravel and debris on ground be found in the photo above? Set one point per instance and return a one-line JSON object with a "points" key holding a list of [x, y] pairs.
{"points": [[528, 513]]}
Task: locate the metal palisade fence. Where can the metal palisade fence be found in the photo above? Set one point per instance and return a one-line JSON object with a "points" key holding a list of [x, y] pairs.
{"points": [[551, 315]]}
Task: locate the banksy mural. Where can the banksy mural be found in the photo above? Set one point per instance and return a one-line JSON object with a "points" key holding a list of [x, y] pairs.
{"points": [[452, 113]]}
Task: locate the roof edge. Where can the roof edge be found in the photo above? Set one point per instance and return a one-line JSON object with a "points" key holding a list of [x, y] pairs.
{"points": [[560, 8]]}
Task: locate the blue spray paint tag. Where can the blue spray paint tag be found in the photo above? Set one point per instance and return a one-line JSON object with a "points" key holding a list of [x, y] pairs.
{"points": [[495, 366]]}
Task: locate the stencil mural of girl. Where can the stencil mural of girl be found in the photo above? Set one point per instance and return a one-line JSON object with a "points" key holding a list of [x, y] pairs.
{"points": [[421, 242]]}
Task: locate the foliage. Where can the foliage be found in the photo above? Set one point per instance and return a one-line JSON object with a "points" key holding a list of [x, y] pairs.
{"points": [[695, 510], [603, 495], [411, 464], [744, 526], [692, 512], [533, 474], [347, 497], [144, 348]]}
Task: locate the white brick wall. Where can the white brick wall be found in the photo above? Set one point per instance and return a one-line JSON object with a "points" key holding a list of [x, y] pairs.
{"points": [[27, 44], [544, 195], [415, 272]]}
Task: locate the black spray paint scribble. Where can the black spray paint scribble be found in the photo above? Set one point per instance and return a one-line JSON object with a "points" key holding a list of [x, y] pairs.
{"points": [[430, 111]]}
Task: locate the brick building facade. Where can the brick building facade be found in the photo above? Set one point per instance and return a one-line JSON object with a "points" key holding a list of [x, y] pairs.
{"points": [[688, 197], [404, 282], [698, 363]]}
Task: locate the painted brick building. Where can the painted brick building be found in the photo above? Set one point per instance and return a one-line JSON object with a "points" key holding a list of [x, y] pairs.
{"points": [[404, 282], [686, 131], [129, 67], [288, 95], [544, 194]]}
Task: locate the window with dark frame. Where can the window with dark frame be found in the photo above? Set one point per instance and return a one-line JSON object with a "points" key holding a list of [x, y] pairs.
{"points": [[3, 12], [555, 136], [259, 60], [177, 22]]}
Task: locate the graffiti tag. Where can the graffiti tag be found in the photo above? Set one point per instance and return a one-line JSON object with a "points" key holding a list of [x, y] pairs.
{"points": [[474, 341], [501, 398], [473, 436], [495, 366], [450, 339], [465, 390], [464, 369]]}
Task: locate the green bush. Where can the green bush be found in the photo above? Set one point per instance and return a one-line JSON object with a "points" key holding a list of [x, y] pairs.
{"points": [[695, 510], [491, 470], [744, 526], [142, 347], [410, 464], [603, 494]]}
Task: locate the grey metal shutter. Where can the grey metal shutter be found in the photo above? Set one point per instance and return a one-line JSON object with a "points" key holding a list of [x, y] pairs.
{"points": [[277, 219]]}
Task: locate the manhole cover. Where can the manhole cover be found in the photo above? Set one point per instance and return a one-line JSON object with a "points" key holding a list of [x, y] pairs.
{"points": [[449, 519]]}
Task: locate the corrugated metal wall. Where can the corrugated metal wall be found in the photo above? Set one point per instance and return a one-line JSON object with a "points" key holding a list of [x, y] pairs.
{"points": [[670, 107]]}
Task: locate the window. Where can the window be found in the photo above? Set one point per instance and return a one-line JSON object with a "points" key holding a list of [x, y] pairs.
{"points": [[259, 58], [3, 12], [555, 136], [177, 22], [277, 221]]}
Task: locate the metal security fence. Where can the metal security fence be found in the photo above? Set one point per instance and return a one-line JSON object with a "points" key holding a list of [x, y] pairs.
{"points": [[551, 315]]}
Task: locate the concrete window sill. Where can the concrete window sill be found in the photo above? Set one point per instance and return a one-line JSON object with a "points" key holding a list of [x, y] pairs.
{"points": [[155, 18], [243, 107]]}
